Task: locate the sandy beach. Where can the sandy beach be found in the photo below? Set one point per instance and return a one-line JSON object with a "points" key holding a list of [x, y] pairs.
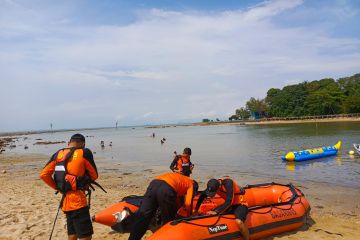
{"points": [[28, 206], [277, 122]]}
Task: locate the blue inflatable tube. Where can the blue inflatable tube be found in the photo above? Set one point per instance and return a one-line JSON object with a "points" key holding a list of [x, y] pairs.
{"points": [[309, 154]]}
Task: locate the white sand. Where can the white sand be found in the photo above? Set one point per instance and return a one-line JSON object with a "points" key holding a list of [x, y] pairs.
{"points": [[28, 206]]}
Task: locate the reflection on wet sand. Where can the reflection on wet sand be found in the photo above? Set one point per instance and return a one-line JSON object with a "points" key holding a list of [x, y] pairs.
{"points": [[316, 163], [290, 166]]}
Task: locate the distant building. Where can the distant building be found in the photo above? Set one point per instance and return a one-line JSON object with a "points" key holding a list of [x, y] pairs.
{"points": [[257, 115]]}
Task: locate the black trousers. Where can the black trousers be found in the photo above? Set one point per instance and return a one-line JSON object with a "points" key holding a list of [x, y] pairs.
{"points": [[158, 195], [79, 223]]}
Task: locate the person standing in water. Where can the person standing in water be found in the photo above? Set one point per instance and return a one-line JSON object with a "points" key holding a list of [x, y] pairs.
{"points": [[182, 163]]}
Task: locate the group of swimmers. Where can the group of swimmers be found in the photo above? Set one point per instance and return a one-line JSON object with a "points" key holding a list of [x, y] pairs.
{"points": [[71, 170], [162, 141], [102, 144]]}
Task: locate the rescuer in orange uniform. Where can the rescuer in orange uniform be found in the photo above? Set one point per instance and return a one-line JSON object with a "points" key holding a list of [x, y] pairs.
{"points": [[182, 163], [231, 192], [73, 169], [162, 193]]}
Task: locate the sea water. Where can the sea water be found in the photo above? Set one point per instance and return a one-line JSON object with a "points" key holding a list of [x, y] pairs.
{"points": [[253, 150]]}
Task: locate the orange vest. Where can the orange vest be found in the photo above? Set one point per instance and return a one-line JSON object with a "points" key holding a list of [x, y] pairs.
{"points": [[77, 165], [180, 183], [184, 161]]}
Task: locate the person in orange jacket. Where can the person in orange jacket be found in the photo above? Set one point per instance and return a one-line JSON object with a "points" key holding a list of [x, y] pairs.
{"points": [[182, 163], [69, 171], [162, 193], [231, 192]]}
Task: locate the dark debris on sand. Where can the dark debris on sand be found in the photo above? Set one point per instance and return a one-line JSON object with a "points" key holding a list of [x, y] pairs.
{"points": [[6, 142], [47, 143]]}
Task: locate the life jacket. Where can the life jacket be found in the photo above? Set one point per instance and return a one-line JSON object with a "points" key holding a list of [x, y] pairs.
{"points": [[67, 182], [238, 192], [180, 183], [184, 165]]}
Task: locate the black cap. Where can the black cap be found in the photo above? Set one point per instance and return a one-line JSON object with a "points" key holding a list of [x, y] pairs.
{"points": [[187, 151], [77, 138], [212, 187]]}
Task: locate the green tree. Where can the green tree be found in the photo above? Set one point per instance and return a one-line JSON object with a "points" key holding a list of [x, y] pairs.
{"points": [[351, 88], [257, 106], [319, 97], [327, 99], [352, 104], [242, 113], [287, 102], [233, 117]]}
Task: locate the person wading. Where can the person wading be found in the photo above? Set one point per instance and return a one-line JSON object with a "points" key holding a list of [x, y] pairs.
{"points": [[73, 169], [182, 163], [162, 193], [231, 193]]}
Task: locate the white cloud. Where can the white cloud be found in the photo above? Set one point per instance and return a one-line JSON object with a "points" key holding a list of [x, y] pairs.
{"points": [[269, 9], [136, 74], [120, 116], [145, 115], [184, 65]]}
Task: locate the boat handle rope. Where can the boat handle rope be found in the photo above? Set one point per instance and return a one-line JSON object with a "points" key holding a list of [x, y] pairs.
{"points": [[283, 194], [222, 216], [302, 204], [200, 225], [266, 185], [276, 207], [291, 202], [271, 208]]}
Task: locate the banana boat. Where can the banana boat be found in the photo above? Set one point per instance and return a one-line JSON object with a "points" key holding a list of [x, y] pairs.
{"points": [[309, 154]]}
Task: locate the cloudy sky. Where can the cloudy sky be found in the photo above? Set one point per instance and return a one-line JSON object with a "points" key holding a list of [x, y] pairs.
{"points": [[89, 63]]}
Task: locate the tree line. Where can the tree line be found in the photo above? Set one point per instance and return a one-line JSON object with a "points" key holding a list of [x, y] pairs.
{"points": [[320, 97]]}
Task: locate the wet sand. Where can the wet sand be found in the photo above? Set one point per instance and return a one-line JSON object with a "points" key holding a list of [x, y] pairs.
{"points": [[28, 206]]}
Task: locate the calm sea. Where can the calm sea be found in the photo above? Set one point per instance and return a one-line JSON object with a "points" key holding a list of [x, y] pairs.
{"points": [[243, 150]]}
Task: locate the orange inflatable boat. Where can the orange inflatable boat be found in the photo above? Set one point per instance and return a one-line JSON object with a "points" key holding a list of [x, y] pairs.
{"points": [[273, 209]]}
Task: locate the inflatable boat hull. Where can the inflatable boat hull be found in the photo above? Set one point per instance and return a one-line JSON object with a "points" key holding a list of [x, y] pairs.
{"points": [[273, 208], [314, 153]]}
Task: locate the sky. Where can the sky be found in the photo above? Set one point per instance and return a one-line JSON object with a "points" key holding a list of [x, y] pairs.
{"points": [[89, 63]]}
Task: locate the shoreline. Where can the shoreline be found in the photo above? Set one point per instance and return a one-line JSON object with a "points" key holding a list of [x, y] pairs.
{"points": [[28, 206], [280, 122], [31, 132], [230, 123]]}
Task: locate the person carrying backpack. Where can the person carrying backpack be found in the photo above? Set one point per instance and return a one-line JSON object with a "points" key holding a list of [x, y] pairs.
{"points": [[182, 164], [70, 171]]}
